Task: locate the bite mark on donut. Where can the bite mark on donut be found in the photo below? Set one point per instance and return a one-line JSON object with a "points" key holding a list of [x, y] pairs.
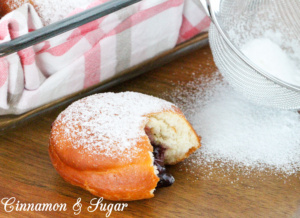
{"points": [[102, 146], [172, 139], [165, 178]]}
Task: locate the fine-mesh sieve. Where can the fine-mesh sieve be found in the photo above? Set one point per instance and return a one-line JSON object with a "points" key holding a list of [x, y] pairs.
{"points": [[237, 21]]}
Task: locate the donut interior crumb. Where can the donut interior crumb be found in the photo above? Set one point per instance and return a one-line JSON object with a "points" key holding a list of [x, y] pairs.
{"points": [[176, 138], [173, 133]]}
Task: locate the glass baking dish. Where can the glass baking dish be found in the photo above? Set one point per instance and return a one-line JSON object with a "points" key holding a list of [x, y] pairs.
{"points": [[63, 26], [55, 29]]}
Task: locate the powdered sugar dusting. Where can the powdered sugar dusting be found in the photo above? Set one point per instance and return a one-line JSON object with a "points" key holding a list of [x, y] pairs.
{"points": [[52, 10], [238, 135], [14, 3], [109, 123]]}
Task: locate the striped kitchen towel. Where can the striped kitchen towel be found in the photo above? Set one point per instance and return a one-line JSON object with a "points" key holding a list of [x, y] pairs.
{"points": [[92, 53]]}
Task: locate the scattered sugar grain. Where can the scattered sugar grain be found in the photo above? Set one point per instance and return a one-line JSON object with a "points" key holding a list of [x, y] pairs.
{"points": [[238, 136]]}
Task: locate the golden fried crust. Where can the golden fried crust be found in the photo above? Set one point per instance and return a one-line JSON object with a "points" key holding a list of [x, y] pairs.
{"points": [[83, 159], [122, 178], [131, 182], [7, 6], [4, 8]]}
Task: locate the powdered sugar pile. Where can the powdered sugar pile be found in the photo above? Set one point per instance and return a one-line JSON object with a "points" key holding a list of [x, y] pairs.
{"points": [[53, 10], [269, 56], [108, 123], [236, 133]]}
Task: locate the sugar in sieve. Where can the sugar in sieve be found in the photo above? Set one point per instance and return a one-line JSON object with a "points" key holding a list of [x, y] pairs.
{"points": [[236, 21]]}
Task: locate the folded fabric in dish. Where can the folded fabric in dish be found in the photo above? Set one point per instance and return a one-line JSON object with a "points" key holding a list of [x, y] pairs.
{"points": [[92, 53]]}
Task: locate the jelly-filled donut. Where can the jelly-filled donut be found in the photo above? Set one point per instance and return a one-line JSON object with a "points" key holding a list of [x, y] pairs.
{"points": [[116, 145]]}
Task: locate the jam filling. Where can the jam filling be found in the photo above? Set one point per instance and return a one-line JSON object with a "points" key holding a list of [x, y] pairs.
{"points": [[166, 179]]}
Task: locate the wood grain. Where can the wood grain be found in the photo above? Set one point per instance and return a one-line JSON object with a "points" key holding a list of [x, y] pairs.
{"points": [[27, 174]]}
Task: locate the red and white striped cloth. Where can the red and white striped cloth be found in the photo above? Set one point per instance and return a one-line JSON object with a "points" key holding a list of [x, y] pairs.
{"points": [[92, 53]]}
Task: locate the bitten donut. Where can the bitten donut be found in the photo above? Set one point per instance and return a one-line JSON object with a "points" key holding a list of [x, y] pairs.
{"points": [[115, 145], [49, 11]]}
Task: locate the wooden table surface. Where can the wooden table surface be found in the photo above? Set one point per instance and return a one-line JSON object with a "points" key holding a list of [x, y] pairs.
{"points": [[26, 172]]}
